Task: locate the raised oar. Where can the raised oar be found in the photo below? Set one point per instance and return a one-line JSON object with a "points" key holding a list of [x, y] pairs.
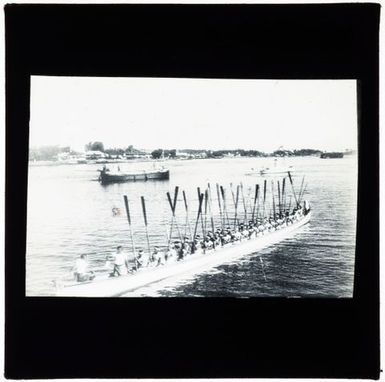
{"points": [[172, 206], [236, 207], [129, 223], [199, 193], [174, 209], [292, 188], [244, 203], [145, 223], [283, 195], [224, 205], [255, 200], [211, 209], [200, 200], [272, 192], [264, 198], [206, 208], [187, 218], [303, 192], [219, 204], [279, 198], [172, 219]]}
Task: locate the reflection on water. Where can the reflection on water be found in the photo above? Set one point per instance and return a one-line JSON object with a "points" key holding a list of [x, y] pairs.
{"points": [[70, 213]]}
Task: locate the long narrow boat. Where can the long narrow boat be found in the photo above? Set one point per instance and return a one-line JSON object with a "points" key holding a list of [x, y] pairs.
{"points": [[108, 177], [193, 264]]}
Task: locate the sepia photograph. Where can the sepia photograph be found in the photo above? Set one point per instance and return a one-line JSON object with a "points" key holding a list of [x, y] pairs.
{"points": [[181, 187]]}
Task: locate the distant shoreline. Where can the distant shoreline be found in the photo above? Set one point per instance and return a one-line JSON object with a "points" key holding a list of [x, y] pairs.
{"points": [[150, 160]]}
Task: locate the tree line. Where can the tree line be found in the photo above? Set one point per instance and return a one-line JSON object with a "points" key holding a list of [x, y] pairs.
{"points": [[51, 152]]}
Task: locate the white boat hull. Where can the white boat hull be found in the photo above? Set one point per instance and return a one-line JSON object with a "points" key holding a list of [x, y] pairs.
{"points": [[194, 264]]}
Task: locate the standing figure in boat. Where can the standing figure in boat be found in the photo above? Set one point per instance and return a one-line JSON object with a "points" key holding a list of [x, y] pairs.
{"points": [[81, 272], [120, 262]]}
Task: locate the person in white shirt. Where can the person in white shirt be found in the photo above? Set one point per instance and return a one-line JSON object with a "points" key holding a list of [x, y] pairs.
{"points": [[120, 261], [80, 269]]}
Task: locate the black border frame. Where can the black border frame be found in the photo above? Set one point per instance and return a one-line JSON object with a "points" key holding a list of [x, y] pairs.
{"points": [[175, 338]]}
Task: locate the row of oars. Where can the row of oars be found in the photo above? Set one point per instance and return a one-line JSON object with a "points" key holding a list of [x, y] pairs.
{"points": [[205, 212]]}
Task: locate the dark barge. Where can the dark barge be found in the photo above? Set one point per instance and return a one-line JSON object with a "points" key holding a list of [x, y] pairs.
{"points": [[107, 177], [332, 155]]}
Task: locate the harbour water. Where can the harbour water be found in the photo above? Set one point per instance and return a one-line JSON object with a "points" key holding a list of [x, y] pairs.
{"points": [[70, 213]]}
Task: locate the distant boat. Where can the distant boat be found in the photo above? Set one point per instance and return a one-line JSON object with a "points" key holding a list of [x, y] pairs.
{"points": [[271, 170], [332, 155], [107, 177]]}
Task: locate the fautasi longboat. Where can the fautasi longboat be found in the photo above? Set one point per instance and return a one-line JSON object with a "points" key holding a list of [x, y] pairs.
{"points": [[192, 264]]}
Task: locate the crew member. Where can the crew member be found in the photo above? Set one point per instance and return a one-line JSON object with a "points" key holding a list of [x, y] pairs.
{"points": [[120, 261], [80, 269]]}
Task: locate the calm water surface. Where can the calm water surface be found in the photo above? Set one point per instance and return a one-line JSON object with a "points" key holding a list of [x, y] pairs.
{"points": [[70, 213]]}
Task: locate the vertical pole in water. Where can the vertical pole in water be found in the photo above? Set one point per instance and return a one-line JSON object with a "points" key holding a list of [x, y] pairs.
{"points": [[145, 223], [292, 187], [279, 198], [272, 192], [220, 207], [244, 203], [255, 200], [129, 224]]}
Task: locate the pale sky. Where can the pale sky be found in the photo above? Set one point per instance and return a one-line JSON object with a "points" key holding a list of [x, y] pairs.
{"points": [[168, 113]]}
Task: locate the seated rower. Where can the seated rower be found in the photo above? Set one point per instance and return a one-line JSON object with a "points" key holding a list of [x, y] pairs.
{"points": [[80, 269], [306, 207], [207, 244], [142, 259], [171, 254], [131, 262], [157, 257], [186, 249]]}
